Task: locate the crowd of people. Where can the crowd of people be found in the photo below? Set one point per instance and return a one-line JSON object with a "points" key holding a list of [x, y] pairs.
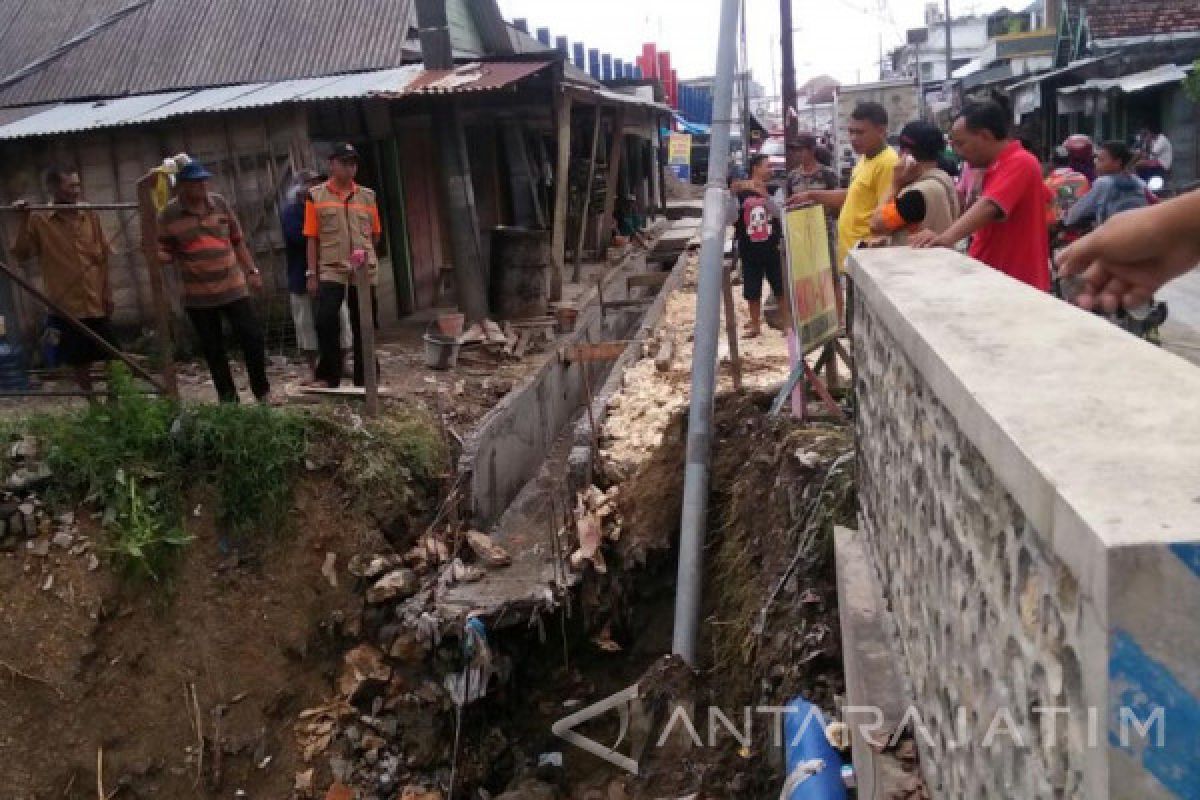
{"points": [[979, 189], [331, 228]]}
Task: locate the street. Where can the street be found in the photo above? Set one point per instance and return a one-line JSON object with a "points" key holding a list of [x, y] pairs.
{"points": [[1181, 333]]}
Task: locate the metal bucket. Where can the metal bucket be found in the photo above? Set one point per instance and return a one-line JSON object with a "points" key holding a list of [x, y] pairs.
{"points": [[441, 351]]}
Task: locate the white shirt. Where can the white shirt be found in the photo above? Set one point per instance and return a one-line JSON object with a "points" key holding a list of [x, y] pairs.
{"points": [[1162, 150]]}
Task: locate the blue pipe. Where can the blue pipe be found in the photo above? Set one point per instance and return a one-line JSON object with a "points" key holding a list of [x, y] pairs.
{"points": [[580, 57], [805, 743]]}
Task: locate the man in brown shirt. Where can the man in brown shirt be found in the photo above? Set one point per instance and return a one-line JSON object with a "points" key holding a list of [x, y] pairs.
{"points": [[202, 236], [70, 246]]}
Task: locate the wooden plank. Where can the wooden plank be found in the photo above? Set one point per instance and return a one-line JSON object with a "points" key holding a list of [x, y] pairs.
{"points": [[366, 327], [602, 351], [343, 391], [647, 279], [562, 170], [616, 147], [148, 220], [731, 329], [577, 270]]}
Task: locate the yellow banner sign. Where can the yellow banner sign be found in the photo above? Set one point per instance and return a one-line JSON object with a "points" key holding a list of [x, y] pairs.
{"points": [[810, 277], [679, 149]]}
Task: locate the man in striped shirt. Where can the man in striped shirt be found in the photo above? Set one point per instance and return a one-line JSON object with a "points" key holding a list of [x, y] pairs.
{"points": [[202, 236]]}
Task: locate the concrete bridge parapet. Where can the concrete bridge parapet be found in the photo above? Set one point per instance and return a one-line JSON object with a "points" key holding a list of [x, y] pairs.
{"points": [[1030, 490]]}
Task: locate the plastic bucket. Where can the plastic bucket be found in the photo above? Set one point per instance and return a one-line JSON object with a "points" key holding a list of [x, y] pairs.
{"points": [[441, 351], [565, 318], [451, 324]]}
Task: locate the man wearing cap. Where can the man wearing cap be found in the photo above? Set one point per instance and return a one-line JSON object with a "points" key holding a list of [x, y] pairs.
{"points": [[341, 223], [73, 255], [923, 195], [200, 233], [291, 219]]}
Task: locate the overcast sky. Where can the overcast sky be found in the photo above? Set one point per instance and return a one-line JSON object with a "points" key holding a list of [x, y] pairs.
{"points": [[843, 40]]}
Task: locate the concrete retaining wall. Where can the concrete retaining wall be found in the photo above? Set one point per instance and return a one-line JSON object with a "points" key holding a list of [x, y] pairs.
{"points": [[1030, 489], [514, 439]]}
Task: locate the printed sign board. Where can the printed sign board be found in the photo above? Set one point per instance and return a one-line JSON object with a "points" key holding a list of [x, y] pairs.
{"points": [[810, 277], [679, 155]]}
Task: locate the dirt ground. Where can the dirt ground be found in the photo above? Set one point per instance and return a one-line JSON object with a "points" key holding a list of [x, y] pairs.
{"points": [[98, 674]]}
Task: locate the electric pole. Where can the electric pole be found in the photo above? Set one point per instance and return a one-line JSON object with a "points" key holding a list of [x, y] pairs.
{"points": [[947, 88], [790, 124]]}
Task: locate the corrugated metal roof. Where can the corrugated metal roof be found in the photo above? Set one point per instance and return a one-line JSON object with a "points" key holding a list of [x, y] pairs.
{"points": [[1137, 82], [474, 77], [184, 44], [391, 83]]}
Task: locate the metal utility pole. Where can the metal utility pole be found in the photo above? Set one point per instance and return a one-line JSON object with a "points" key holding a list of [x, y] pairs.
{"points": [[744, 63], [693, 528], [947, 87], [790, 126]]}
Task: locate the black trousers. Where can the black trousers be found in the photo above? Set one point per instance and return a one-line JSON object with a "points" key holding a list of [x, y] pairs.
{"points": [[330, 297], [249, 335]]}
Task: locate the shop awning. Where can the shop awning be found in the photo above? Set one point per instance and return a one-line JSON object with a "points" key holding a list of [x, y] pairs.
{"points": [[1129, 84]]}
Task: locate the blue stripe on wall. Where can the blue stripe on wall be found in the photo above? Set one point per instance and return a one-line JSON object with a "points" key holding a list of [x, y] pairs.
{"points": [[1189, 554], [1143, 685]]}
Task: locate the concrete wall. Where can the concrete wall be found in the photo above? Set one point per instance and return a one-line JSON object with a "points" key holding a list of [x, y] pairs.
{"points": [[513, 440], [1030, 492]]}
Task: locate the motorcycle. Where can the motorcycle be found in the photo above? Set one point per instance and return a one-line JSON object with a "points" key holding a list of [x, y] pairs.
{"points": [[1143, 322]]}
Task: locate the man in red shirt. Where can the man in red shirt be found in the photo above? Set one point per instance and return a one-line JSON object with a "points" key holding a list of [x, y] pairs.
{"points": [[1008, 224]]}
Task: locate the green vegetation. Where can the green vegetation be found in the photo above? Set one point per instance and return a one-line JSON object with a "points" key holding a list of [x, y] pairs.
{"points": [[387, 465], [137, 459], [1191, 84]]}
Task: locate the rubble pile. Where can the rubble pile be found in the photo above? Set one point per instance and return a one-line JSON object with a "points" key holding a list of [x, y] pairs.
{"points": [[27, 525]]}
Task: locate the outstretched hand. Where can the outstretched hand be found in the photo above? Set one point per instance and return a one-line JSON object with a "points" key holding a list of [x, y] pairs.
{"points": [[1125, 261]]}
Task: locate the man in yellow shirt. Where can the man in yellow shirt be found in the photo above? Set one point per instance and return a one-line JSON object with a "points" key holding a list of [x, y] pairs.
{"points": [[870, 183]]}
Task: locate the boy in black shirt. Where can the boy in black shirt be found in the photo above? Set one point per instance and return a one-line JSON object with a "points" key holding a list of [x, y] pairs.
{"points": [[755, 215]]}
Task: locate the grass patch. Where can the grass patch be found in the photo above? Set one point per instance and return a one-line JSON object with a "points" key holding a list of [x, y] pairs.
{"points": [[386, 466], [137, 457]]}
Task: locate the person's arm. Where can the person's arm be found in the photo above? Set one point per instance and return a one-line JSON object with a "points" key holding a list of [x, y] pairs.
{"points": [[1085, 207], [27, 243], [907, 209], [312, 232], [1126, 260], [830, 198], [984, 212], [376, 226], [244, 257]]}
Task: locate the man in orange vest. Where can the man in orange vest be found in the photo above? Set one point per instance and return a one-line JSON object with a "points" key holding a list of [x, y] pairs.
{"points": [[341, 224]]}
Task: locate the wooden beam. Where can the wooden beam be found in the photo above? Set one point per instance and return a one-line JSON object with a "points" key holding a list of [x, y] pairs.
{"points": [[148, 222], [614, 175], [647, 279], [587, 353], [562, 176], [366, 327], [577, 271], [71, 320]]}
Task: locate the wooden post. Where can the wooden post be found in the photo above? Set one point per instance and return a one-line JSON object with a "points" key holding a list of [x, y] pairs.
{"points": [[731, 331], [470, 270], [660, 158], [148, 222], [366, 327], [562, 176], [577, 272], [614, 174]]}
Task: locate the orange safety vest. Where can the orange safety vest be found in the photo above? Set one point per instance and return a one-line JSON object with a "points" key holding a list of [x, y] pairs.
{"points": [[345, 225]]}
